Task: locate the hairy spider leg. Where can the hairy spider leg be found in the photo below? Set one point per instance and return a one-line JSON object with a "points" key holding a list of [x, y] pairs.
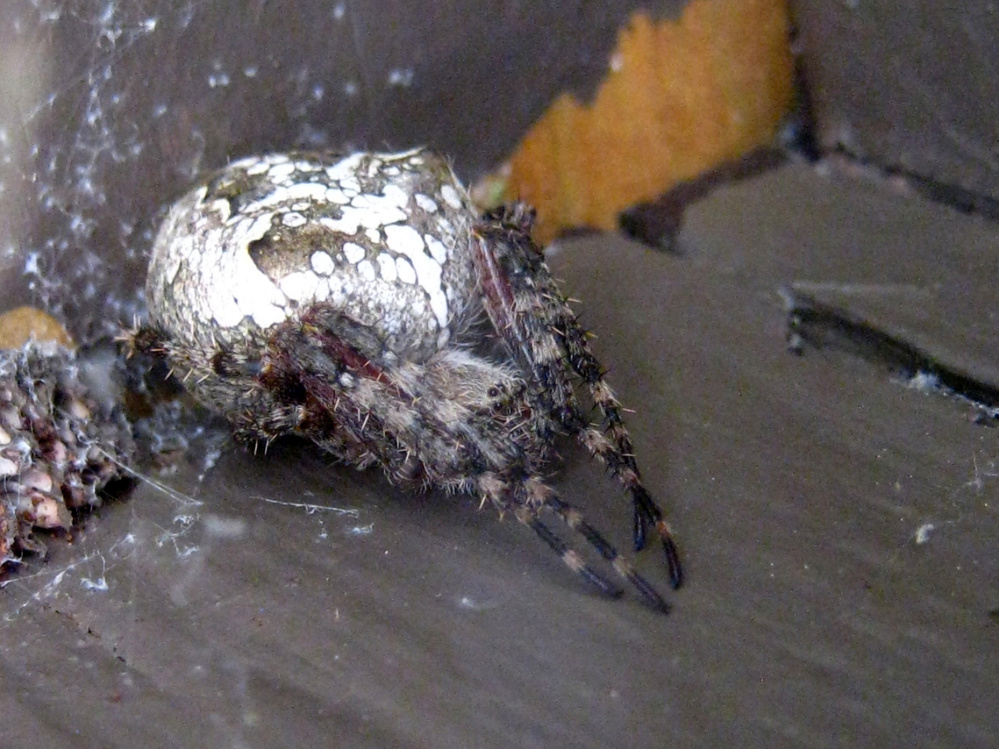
{"points": [[526, 307], [501, 494], [528, 497], [313, 370], [392, 411], [574, 519], [614, 449], [225, 381], [613, 446], [571, 559], [541, 495], [508, 264]]}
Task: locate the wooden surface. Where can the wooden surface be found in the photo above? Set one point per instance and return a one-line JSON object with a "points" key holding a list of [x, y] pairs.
{"points": [[909, 87], [815, 614]]}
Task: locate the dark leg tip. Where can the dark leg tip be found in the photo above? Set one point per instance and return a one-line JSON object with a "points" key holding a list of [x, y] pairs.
{"points": [[649, 594], [641, 524], [673, 563], [660, 606]]}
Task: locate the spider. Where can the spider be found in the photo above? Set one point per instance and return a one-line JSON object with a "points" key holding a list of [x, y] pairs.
{"points": [[360, 301]]}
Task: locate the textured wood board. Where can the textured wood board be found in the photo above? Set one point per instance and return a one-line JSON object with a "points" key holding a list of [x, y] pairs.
{"points": [[910, 87]]}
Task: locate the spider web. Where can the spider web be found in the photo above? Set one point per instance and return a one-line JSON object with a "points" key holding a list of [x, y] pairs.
{"points": [[66, 127]]}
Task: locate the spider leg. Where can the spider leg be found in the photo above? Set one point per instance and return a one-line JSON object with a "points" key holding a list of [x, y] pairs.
{"points": [[311, 369], [526, 307], [542, 495], [573, 518], [500, 493], [572, 560], [529, 497], [224, 377], [366, 404], [613, 447]]}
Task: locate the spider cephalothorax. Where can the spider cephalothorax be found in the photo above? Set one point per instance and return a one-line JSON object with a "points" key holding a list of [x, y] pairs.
{"points": [[359, 301]]}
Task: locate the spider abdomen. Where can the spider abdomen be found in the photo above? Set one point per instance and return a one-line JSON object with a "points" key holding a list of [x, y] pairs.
{"points": [[374, 235]]}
